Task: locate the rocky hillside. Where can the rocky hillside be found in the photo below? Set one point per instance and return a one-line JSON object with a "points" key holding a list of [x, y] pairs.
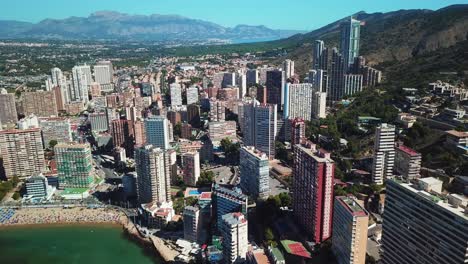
{"points": [[109, 25]]}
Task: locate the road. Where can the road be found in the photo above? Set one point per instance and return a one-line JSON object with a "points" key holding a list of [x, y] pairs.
{"points": [[276, 187]]}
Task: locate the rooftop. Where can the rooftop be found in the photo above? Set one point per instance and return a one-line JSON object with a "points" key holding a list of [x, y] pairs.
{"points": [[352, 205], [408, 150], [437, 200], [457, 134], [295, 248]]}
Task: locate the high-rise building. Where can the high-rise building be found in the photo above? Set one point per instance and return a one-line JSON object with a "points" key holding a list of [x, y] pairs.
{"points": [[82, 79], [191, 168], [102, 74], [153, 167], [235, 237], [37, 186], [123, 135], [288, 68], [319, 104], [254, 173], [312, 190], [320, 81], [140, 133], [176, 94], [157, 131], [371, 76], [298, 101], [260, 127], [227, 201], [349, 239], [320, 54], [74, 165], [229, 79], [55, 128], [8, 112], [192, 223], [275, 82], [384, 153], [57, 76], [252, 77], [242, 85], [261, 94], [40, 103], [110, 67], [352, 84], [217, 110], [407, 162], [22, 152], [192, 95], [99, 122], [337, 76], [297, 131], [193, 115], [350, 36], [422, 226]]}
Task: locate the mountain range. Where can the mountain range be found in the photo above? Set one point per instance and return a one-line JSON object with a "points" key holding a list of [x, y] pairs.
{"points": [[108, 25]]}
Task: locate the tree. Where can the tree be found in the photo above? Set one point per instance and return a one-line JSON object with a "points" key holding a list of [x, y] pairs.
{"points": [[206, 179], [231, 150], [285, 199], [16, 196], [191, 201], [52, 143], [269, 234], [178, 130]]}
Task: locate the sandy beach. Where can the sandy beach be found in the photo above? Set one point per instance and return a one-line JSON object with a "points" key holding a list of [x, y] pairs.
{"points": [[37, 216]]}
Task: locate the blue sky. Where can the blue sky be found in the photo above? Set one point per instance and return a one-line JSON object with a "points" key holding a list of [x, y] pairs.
{"points": [[278, 14]]}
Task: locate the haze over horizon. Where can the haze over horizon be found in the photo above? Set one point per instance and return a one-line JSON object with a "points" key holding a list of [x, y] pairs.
{"points": [[308, 14]]}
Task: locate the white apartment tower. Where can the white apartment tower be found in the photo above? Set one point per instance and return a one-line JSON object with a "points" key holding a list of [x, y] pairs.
{"points": [[192, 95], [82, 79], [176, 94], [319, 103], [384, 153], [298, 101], [235, 237], [288, 67]]}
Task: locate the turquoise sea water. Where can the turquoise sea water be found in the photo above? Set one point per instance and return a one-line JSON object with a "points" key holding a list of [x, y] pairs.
{"points": [[71, 245]]}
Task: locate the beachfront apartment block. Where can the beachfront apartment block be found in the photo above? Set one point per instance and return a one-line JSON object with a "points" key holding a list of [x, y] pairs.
{"points": [[74, 165], [22, 152]]}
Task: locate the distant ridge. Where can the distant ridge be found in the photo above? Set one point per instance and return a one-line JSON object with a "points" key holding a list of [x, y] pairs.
{"points": [[110, 25]]}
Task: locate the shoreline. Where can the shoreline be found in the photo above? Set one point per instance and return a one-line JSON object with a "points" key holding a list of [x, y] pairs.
{"points": [[128, 228], [61, 224]]}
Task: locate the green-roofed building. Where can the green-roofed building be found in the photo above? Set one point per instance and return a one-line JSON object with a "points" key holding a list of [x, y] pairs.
{"points": [[74, 165]]}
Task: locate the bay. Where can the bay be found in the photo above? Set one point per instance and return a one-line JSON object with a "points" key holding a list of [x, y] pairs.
{"points": [[73, 244]]}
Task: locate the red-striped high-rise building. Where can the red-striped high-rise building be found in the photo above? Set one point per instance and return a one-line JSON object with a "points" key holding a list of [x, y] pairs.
{"points": [[313, 191]]}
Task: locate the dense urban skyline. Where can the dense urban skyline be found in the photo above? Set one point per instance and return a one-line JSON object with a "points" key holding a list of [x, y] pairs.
{"points": [[308, 15]]}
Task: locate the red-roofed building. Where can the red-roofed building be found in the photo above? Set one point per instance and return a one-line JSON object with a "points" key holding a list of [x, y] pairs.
{"points": [[407, 162]]}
